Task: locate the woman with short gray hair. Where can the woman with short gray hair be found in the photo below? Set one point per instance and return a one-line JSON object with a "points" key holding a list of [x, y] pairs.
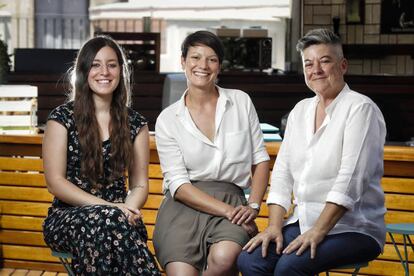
{"points": [[331, 161]]}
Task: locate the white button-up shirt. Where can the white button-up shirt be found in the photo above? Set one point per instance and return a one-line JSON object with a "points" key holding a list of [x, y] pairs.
{"points": [[341, 163], [186, 154]]}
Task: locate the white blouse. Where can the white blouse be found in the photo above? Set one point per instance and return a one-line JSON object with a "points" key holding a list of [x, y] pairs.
{"points": [[341, 163], [186, 154]]}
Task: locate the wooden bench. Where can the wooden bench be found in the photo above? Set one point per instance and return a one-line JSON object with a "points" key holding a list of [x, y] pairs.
{"points": [[24, 201]]}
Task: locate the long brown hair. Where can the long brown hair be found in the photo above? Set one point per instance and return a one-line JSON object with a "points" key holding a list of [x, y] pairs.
{"points": [[85, 118]]}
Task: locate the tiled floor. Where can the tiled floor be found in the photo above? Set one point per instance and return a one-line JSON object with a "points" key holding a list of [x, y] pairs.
{"points": [[25, 272]]}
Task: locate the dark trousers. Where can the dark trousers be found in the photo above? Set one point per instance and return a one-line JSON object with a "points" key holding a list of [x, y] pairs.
{"points": [[335, 250]]}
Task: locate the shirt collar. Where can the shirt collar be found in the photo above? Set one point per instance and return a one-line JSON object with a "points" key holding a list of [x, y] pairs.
{"points": [[329, 110], [222, 102]]}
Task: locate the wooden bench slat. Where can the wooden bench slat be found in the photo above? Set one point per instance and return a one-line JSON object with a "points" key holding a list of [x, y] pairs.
{"points": [[153, 202], [154, 159], [22, 179], [33, 253], [50, 266], [149, 216], [20, 164], [25, 194], [34, 273], [13, 237], [379, 267], [398, 168], [398, 185], [155, 186], [20, 150], [18, 237], [21, 222], [399, 202], [37, 209], [392, 216], [154, 171]]}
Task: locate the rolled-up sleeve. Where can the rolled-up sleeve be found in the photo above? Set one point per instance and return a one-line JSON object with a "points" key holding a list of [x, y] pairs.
{"points": [[171, 158], [259, 152], [362, 155], [281, 184]]}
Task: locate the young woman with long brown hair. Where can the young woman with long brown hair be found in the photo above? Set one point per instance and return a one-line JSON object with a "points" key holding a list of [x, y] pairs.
{"points": [[89, 144]]}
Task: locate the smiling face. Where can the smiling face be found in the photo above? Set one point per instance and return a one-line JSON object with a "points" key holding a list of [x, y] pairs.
{"points": [[105, 72], [324, 68], [201, 66]]}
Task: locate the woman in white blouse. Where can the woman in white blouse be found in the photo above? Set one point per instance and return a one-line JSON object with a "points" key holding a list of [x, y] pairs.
{"points": [[211, 148], [331, 161]]}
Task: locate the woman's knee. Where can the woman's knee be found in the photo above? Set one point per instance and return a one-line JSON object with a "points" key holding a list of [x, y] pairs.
{"points": [[251, 264], [244, 263], [293, 265], [224, 254]]}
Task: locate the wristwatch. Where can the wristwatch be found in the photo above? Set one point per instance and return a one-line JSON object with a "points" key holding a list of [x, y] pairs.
{"points": [[255, 206]]}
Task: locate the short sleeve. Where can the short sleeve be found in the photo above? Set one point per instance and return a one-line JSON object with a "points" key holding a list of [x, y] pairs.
{"points": [[63, 114], [136, 122]]}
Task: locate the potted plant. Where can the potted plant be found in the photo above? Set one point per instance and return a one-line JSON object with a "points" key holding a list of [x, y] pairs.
{"points": [[5, 63]]}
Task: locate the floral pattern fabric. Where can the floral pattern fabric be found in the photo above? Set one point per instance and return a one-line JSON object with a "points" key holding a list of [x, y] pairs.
{"points": [[100, 238]]}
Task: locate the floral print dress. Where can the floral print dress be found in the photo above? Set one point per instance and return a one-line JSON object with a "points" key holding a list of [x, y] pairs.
{"points": [[99, 237]]}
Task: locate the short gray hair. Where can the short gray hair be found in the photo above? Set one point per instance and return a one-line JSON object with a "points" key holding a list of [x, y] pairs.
{"points": [[318, 36]]}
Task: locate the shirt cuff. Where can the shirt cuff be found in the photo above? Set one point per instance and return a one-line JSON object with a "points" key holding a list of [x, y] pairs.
{"points": [[174, 185], [260, 156], [341, 199], [278, 199]]}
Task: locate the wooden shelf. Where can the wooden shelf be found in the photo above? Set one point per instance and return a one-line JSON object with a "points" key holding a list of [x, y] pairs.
{"points": [[142, 49], [377, 50]]}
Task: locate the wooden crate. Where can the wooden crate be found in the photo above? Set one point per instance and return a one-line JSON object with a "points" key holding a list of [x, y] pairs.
{"points": [[18, 107]]}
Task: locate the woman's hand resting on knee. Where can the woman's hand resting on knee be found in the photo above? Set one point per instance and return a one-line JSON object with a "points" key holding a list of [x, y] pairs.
{"points": [[270, 234], [251, 228], [310, 238], [243, 214]]}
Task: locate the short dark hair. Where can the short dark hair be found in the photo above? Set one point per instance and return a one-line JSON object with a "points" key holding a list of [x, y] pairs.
{"points": [[318, 36], [203, 38]]}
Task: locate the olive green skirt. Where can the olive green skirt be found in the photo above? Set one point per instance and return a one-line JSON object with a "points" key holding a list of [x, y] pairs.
{"points": [[183, 234]]}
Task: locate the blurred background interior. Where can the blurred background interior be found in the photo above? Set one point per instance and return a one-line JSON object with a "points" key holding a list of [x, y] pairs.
{"points": [[41, 38]]}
